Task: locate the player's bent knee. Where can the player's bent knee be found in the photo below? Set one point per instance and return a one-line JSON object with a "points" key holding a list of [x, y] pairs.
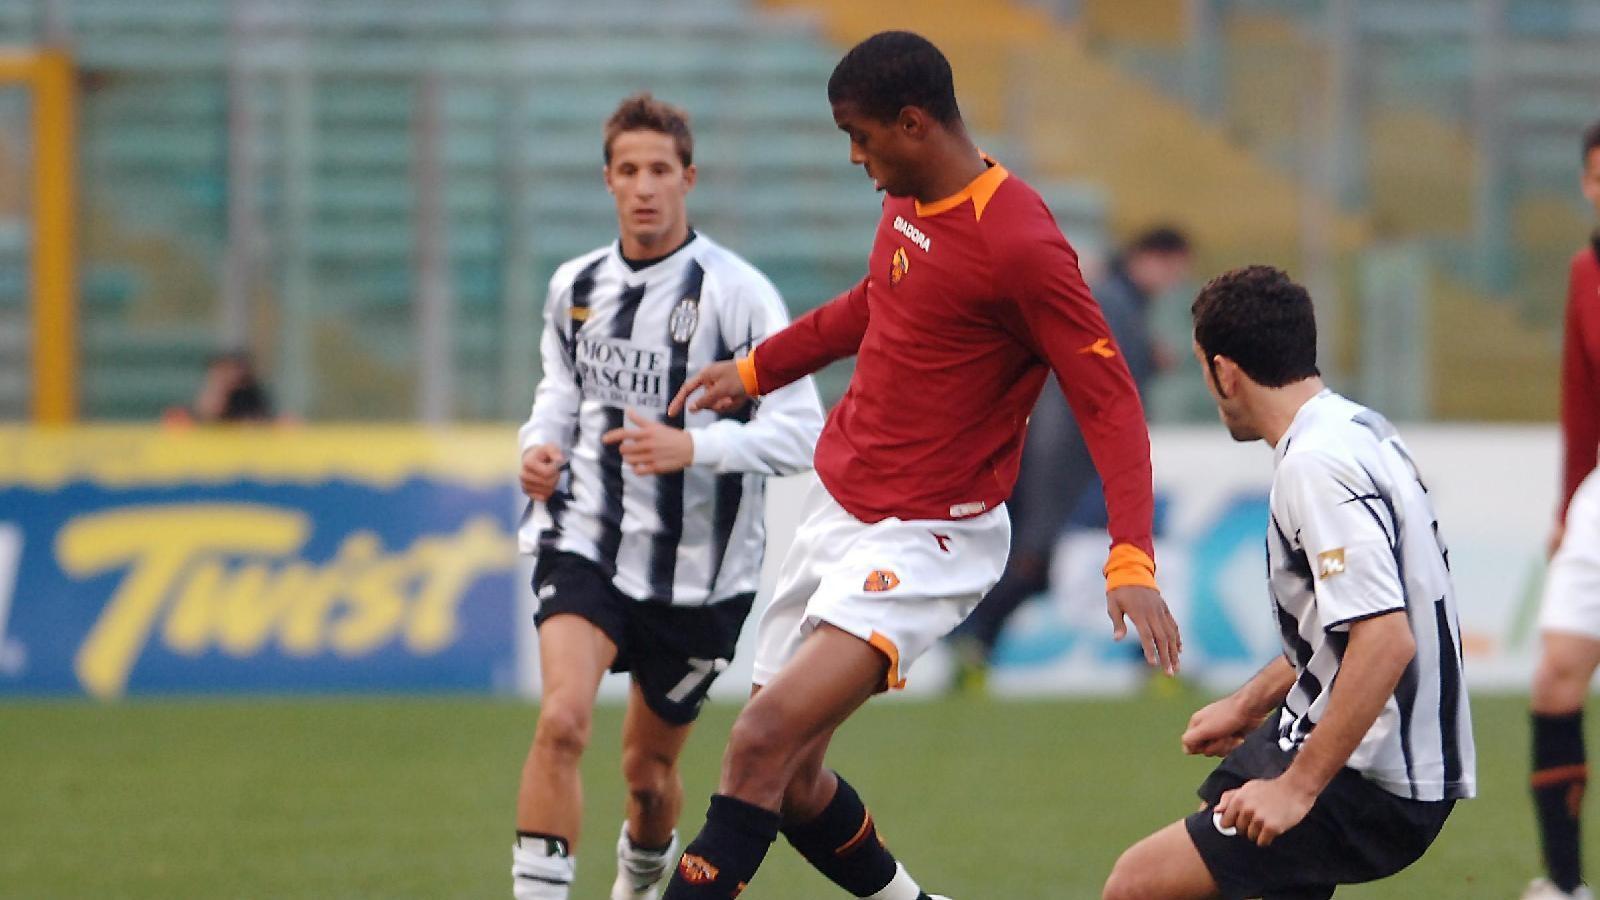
{"points": [[563, 730], [1141, 871], [1561, 682], [1120, 887], [652, 794], [758, 743], [652, 778], [1123, 883]]}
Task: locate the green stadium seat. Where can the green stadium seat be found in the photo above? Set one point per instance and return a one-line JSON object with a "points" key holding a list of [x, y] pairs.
{"points": [[525, 86]]}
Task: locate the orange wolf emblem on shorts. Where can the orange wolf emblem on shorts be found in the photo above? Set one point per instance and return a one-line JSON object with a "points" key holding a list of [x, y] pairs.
{"points": [[696, 870], [881, 580]]}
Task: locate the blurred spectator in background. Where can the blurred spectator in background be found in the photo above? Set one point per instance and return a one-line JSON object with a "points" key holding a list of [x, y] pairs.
{"points": [[230, 391], [1058, 477]]}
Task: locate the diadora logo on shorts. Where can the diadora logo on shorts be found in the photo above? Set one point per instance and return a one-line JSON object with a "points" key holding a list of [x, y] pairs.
{"points": [[881, 580], [1330, 564], [899, 265], [696, 870], [914, 233]]}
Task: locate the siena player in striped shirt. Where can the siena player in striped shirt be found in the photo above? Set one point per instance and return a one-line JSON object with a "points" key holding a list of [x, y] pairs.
{"points": [[648, 525], [1344, 756]]}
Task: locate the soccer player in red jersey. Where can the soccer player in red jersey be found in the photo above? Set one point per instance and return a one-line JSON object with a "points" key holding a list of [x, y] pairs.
{"points": [[972, 296], [1569, 619]]}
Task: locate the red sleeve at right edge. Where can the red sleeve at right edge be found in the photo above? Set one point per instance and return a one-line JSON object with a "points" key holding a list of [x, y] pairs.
{"points": [[1580, 395], [829, 332]]}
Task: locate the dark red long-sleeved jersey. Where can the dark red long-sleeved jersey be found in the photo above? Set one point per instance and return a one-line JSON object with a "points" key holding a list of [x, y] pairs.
{"points": [[1580, 372], [966, 305]]}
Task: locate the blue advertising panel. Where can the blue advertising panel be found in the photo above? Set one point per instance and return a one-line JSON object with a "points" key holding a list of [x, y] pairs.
{"points": [[261, 560]]}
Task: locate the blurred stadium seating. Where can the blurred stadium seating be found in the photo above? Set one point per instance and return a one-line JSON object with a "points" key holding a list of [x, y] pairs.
{"points": [[250, 172], [324, 104], [1462, 124], [1457, 145], [521, 151]]}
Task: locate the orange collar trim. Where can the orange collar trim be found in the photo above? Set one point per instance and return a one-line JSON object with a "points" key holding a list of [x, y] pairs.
{"points": [[979, 191]]}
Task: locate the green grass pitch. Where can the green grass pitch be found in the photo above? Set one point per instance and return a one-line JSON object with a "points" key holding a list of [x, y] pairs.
{"points": [[391, 798]]}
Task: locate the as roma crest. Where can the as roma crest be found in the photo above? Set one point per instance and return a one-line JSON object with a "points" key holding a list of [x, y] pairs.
{"points": [[696, 869], [899, 265], [881, 580]]}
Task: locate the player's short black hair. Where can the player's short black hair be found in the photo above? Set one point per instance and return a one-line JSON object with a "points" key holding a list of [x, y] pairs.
{"points": [[643, 112], [1591, 141], [1166, 240], [893, 70], [1259, 318]]}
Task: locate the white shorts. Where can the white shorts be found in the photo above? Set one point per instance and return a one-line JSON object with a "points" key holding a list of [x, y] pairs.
{"points": [[1572, 587], [898, 585]]}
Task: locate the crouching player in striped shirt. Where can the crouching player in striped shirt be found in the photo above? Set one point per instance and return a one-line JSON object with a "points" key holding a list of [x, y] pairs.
{"points": [[648, 526], [1344, 756]]}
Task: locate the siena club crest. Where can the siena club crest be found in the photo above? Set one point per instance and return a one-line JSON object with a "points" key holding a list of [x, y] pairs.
{"points": [[899, 265], [684, 319]]}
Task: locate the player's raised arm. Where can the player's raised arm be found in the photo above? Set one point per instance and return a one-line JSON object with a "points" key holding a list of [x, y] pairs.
{"points": [[830, 332], [779, 438], [1061, 320], [720, 387]]}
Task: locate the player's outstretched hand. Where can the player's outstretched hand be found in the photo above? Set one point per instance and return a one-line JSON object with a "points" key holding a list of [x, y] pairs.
{"points": [[1158, 630], [1263, 809], [722, 390], [651, 447], [1218, 727], [541, 469]]}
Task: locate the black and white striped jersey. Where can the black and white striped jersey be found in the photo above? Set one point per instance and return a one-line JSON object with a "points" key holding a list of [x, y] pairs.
{"points": [[617, 339], [1353, 535]]}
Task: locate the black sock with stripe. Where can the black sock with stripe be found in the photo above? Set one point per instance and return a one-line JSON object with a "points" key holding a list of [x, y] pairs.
{"points": [[842, 843], [1560, 777], [721, 860]]}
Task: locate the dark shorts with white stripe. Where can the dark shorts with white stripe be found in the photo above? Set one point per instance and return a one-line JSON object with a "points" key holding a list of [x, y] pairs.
{"points": [[1355, 832], [673, 652]]}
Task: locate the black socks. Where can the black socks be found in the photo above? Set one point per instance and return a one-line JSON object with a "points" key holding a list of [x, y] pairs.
{"points": [[722, 859], [842, 843], [1560, 776]]}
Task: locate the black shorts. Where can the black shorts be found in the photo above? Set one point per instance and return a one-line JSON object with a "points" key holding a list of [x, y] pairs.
{"points": [[673, 652], [1355, 832]]}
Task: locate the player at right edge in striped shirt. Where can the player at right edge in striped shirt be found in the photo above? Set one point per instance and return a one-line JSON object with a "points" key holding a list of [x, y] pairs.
{"points": [[1345, 755]]}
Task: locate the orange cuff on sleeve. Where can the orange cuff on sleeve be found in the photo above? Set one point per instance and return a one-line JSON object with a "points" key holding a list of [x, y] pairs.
{"points": [[1128, 566], [747, 374]]}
